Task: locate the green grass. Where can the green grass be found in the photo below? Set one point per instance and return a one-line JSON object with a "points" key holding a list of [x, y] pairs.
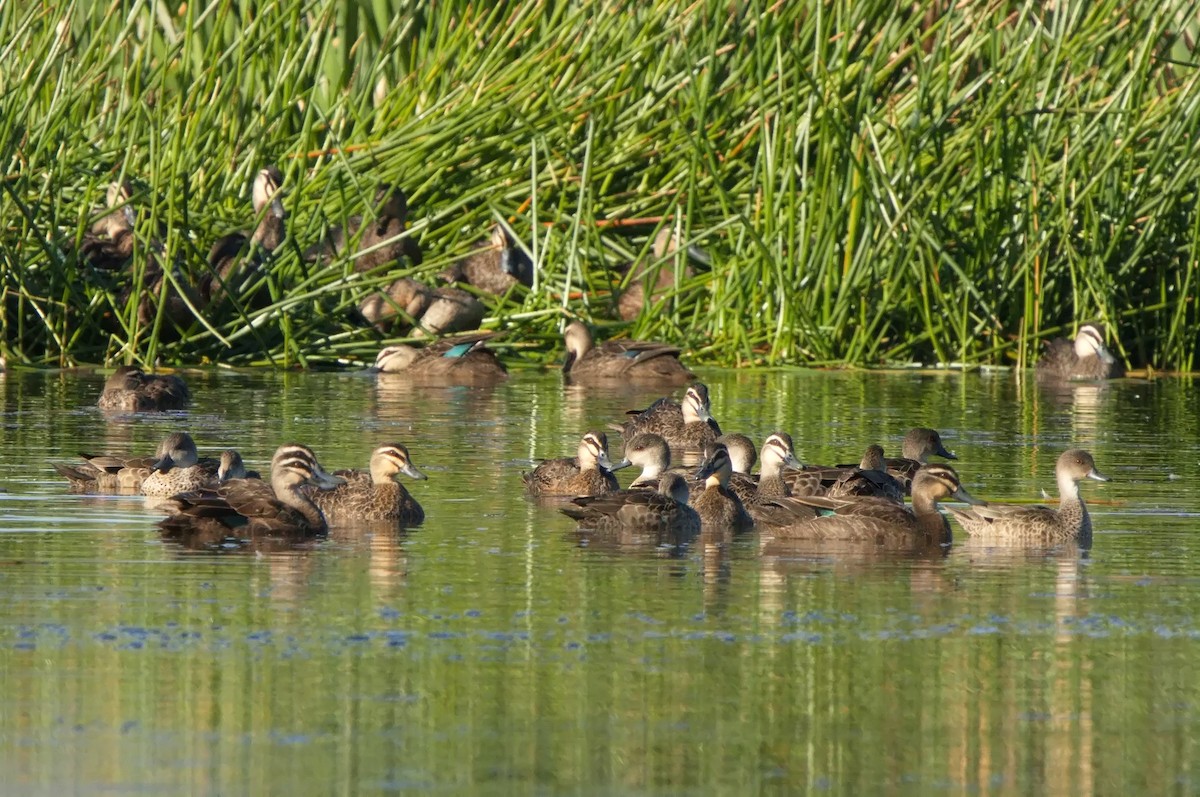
{"points": [[948, 182]]}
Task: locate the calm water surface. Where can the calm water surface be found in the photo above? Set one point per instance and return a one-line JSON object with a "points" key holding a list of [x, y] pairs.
{"points": [[493, 650]]}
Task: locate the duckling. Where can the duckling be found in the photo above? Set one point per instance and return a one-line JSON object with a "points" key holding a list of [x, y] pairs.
{"points": [[620, 360], [374, 495], [109, 244], [1086, 358], [460, 361], [1040, 524], [433, 311], [588, 473], [688, 425], [716, 504], [179, 469], [235, 260], [869, 479], [655, 276], [663, 511], [882, 520], [248, 508], [383, 241], [495, 266], [129, 389]]}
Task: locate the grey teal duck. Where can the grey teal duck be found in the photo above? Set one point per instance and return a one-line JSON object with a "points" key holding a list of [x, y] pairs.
{"points": [[1039, 524]]}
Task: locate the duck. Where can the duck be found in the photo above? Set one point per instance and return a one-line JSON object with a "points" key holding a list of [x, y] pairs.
{"points": [[178, 469], [649, 452], [777, 455], [1084, 359], [108, 245], [231, 466], [431, 311], [588, 473], [655, 275], [383, 241], [249, 508], [620, 360], [460, 361], [235, 260], [1039, 524], [664, 510], [884, 521], [870, 478], [717, 505], [105, 473], [920, 443], [129, 389], [495, 266], [687, 425], [375, 494]]}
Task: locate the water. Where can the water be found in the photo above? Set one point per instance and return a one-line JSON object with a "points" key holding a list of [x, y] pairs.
{"points": [[492, 650]]}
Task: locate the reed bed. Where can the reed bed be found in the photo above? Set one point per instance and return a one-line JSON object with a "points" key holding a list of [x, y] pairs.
{"points": [[874, 182]]}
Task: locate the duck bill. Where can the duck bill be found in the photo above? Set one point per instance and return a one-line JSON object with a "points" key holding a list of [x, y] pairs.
{"points": [[962, 495], [1097, 475], [277, 208], [604, 462], [163, 465], [625, 463], [325, 481], [943, 453], [411, 472], [568, 362], [793, 463], [705, 470], [698, 255]]}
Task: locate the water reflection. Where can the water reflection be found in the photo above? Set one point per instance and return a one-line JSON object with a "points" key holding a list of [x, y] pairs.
{"points": [[488, 651]]}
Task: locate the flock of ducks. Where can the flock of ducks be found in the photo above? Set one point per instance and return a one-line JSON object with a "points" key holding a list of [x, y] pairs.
{"points": [[216, 501]]}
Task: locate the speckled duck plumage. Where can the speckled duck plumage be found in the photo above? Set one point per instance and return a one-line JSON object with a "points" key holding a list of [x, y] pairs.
{"points": [[373, 495]]}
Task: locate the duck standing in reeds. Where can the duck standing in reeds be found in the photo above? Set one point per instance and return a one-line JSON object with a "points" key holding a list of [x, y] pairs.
{"points": [[647, 282], [620, 361], [382, 241], [249, 508], [108, 245], [1086, 358], [429, 311], [372, 495], [129, 389], [457, 361], [495, 266], [589, 472], [1039, 524], [235, 260]]}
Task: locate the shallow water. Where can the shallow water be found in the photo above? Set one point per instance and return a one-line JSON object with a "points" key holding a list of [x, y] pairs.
{"points": [[494, 650]]}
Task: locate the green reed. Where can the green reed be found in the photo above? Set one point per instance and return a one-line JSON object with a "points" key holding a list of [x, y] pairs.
{"points": [[942, 183]]}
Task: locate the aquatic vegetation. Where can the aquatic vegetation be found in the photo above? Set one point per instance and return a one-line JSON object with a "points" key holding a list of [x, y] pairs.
{"points": [[871, 182]]}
